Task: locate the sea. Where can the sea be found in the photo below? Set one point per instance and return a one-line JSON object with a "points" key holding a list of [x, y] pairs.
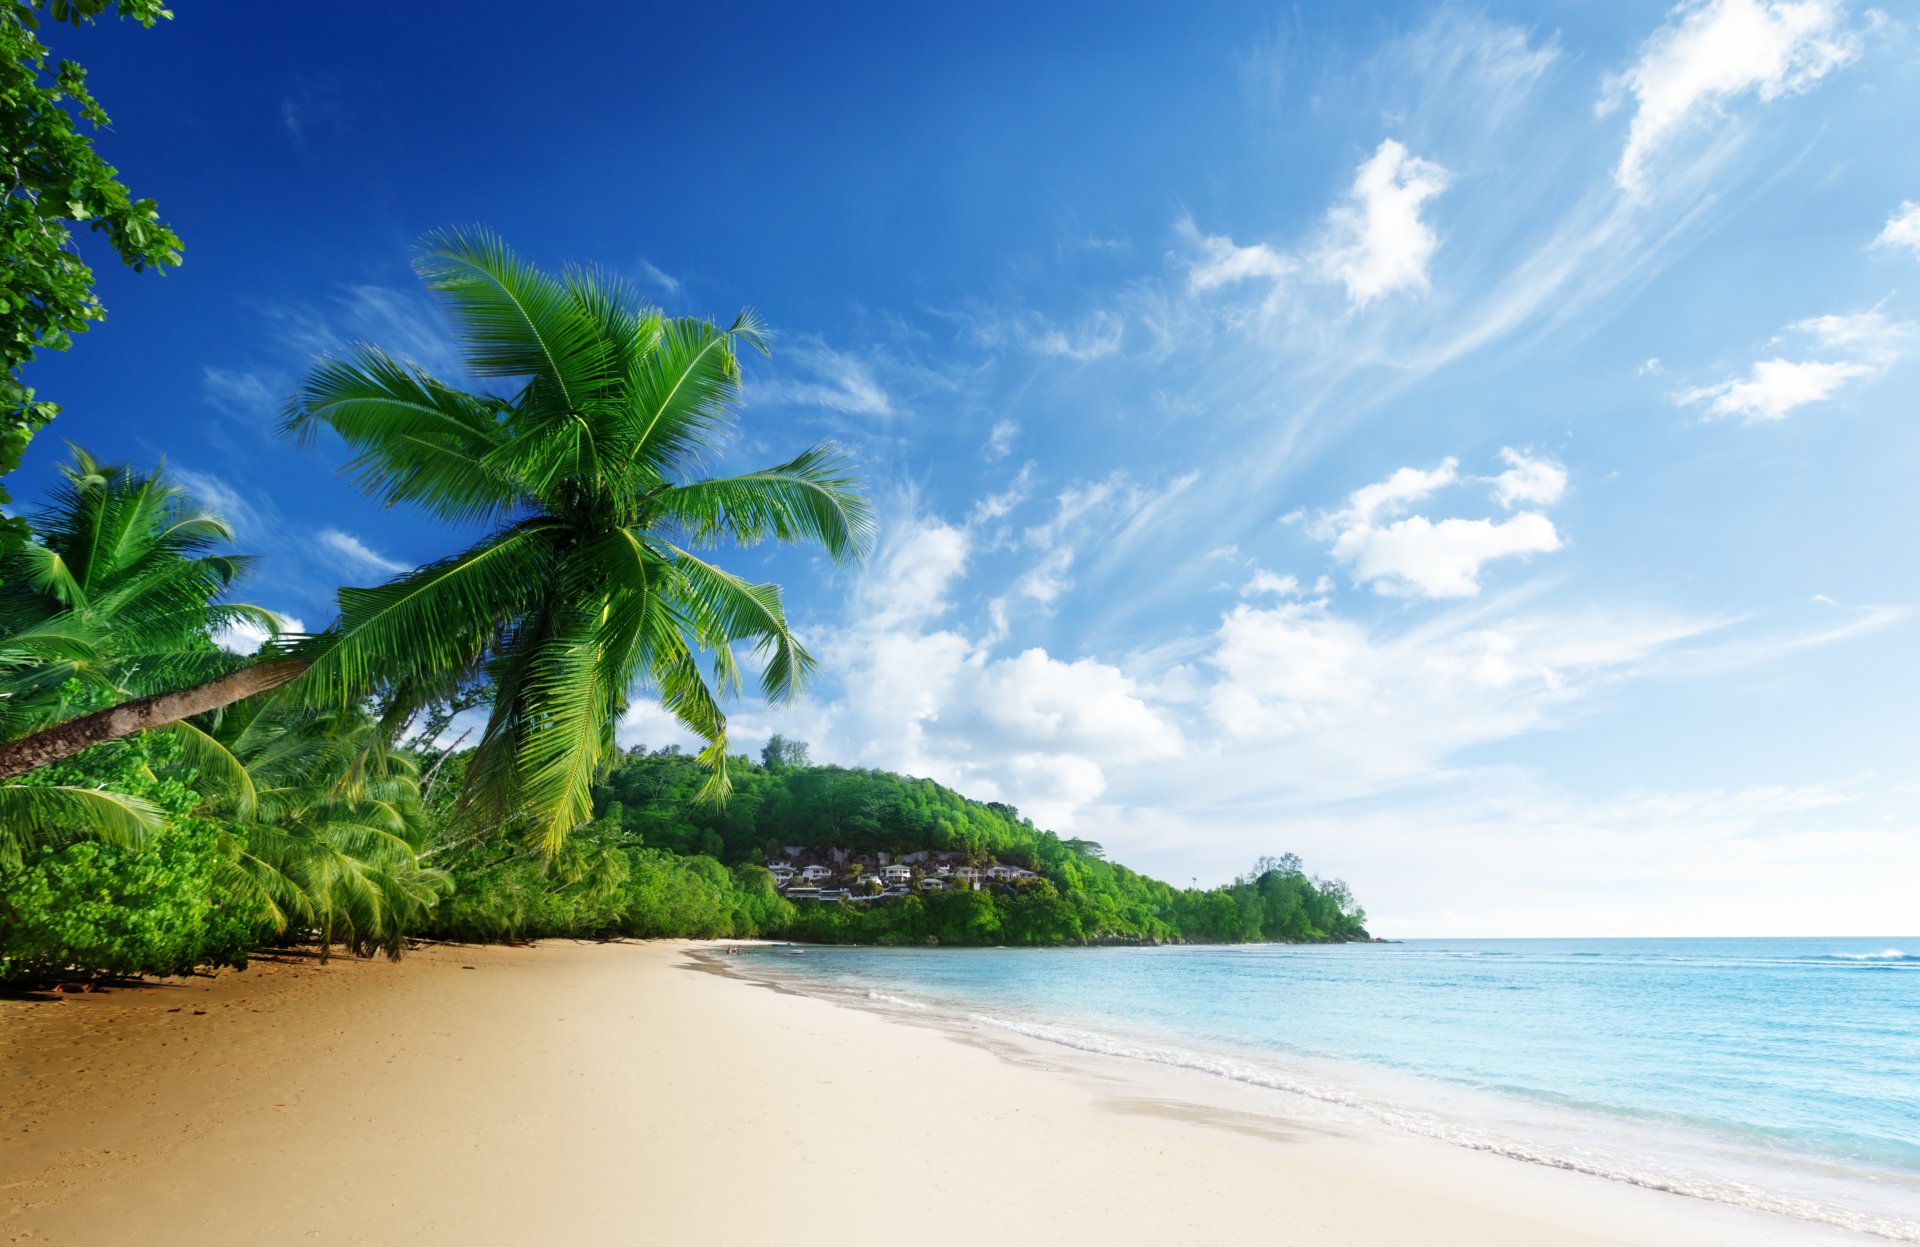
{"points": [[1781, 1075]]}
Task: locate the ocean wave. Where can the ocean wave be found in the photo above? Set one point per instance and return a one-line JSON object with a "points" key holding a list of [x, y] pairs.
{"points": [[1885, 954], [897, 1001], [1415, 1121]]}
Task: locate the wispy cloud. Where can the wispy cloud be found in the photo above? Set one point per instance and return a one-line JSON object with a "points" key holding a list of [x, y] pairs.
{"points": [[836, 380], [354, 556], [660, 277], [1000, 438], [256, 397]]}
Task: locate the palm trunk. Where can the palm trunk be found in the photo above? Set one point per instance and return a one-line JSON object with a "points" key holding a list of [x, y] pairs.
{"points": [[63, 740]]}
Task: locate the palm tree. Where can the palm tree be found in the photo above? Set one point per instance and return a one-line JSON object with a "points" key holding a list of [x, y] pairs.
{"points": [[591, 581], [115, 597], [327, 823]]}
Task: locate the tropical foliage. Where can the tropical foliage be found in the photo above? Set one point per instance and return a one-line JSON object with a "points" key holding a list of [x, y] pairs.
{"points": [[54, 181]]}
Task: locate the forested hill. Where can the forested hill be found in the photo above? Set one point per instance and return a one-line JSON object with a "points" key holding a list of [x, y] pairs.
{"points": [[1080, 896]]}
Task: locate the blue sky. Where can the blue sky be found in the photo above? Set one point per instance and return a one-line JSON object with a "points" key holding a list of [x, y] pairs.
{"points": [[1468, 446]]}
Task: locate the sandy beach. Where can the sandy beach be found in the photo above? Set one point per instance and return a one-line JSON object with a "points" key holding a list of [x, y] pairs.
{"points": [[625, 1093]]}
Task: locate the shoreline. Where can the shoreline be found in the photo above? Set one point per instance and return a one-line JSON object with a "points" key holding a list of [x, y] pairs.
{"points": [[622, 1092]]}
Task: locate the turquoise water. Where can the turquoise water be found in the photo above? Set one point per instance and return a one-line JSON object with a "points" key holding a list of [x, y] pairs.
{"points": [[1779, 1074]]}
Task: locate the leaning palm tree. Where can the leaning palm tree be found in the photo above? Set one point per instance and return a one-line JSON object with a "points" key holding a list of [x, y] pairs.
{"points": [[592, 581]]}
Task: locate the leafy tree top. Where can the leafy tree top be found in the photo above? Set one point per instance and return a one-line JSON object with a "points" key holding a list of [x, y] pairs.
{"points": [[54, 181]]}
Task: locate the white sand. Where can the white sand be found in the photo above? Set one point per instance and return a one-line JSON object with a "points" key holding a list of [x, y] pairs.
{"points": [[589, 1094]]}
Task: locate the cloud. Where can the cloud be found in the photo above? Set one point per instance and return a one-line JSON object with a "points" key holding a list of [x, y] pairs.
{"points": [[220, 497], [354, 556], [913, 574], [1264, 582], [1415, 556], [1376, 243], [1712, 52], [1772, 389], [998, 506], [1528, 479], [648, 724], [1224, 263], [1363, 706], [1651, 368], [244, 636], [1094, 336], [1000, 438], [1404, 486], [254, 396], [660, 277], [833, 379], [1903, 229]]}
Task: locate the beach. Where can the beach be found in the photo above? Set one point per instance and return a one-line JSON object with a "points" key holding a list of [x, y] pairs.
{"points": [[637, 1093]]}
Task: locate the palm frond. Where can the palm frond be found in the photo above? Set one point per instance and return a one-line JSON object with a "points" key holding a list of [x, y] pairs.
{"points": [[812, 498], [32, 813], [514, 320]]}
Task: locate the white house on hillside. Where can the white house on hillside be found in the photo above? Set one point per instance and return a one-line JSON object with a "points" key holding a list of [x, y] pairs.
{"points": [[896, 874], [813, 874]]}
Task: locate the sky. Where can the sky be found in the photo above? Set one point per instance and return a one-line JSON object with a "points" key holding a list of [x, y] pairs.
{"points": [[1472, 447]]}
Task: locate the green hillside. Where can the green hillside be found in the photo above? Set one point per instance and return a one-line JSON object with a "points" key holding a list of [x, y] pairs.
{"points": [[657, 861]]}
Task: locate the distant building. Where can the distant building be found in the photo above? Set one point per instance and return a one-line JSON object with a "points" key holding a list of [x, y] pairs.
{"points": [[814, 874], [896, 874], [933, 885]]}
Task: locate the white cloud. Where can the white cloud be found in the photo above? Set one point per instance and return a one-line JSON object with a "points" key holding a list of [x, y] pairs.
{"points": [[1376, 243], [355, 556], [1903, 229], [220, 497], [244, 636], [1415, 556], [1774, 388], [998, 506], [1046, 580], [1223, 263], [1364, 706], [1264, 581], [1711, 52], [648, 724], [1652, 368], [1000, 438], [1404, 486], [660, 277], [834, 380], [1528, 479], [241, 392], [913, 574]]}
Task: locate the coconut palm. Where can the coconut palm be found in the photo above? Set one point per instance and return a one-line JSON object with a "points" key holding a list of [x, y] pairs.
{"points": [[115, 597], [592, 580], [119, 590], [326, 823]]}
